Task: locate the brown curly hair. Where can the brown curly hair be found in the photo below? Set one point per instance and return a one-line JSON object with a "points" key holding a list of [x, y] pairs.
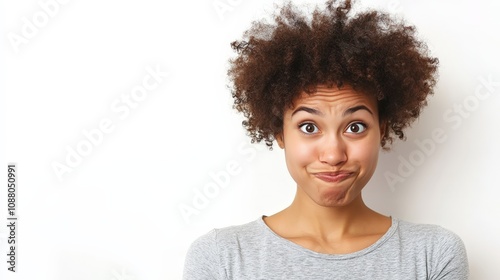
{"points": [[369, 51]]}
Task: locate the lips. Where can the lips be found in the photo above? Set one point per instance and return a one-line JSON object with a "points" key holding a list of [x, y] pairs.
{"points": [[333, 177]]}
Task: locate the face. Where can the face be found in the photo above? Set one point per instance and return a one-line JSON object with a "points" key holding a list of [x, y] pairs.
{"points": [[331, 141]]}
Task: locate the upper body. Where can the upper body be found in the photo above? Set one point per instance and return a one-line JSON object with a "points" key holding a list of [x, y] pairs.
{"points": [[331, 90], [254, 251]]}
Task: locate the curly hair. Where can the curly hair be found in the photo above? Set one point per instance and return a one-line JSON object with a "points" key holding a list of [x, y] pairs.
{"points": [[370, 51]]}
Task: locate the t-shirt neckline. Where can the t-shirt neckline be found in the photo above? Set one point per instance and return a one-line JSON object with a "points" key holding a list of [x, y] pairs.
{"points": [[392, 229]]}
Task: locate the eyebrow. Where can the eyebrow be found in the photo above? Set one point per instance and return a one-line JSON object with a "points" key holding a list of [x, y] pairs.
{"points": [[356, 108], [309, 110], [319, 113]]}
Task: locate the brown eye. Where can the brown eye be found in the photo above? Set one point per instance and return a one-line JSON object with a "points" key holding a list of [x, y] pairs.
{"points": [[308, 128], [356, 128]]}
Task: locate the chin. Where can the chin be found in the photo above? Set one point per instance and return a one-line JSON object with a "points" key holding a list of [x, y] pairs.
{"points": [[335, 200]]}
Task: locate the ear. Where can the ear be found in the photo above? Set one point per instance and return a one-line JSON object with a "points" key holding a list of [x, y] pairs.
{"points": [[280, 140], [383, 128]]}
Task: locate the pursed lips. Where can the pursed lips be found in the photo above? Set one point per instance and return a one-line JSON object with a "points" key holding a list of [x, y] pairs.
{"points": [[333, 177]]}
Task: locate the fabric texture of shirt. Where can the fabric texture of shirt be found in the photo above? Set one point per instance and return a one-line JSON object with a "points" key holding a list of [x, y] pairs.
{"points": [[253, 251]]}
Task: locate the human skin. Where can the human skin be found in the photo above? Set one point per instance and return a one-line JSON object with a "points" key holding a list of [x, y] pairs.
{"points": [[331, 141]]}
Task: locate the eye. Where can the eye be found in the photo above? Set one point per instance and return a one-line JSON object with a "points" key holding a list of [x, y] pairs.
{"points": [[308, 128], [356, 128]]}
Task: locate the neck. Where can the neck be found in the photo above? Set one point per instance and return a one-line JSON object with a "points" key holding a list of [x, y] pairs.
{"points": [[329, 221]]}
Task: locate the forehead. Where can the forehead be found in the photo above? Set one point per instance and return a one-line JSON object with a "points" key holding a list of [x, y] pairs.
{"points": [[335, 97]]}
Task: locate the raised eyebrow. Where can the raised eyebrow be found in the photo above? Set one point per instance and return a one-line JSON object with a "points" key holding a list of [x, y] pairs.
{"points": [[309, 110], [356, 108]]}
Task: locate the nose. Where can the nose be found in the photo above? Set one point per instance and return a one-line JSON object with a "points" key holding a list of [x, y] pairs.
{"points": [[333, 151]]}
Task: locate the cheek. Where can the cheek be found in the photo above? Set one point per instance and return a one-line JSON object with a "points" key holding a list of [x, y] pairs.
{"points": [[367, 155], [300, 153]]}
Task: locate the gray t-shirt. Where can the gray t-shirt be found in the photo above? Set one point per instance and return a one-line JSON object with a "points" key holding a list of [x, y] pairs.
{"points": [[253, 251]]}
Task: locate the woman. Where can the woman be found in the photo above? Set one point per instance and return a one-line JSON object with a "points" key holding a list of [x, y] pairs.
{"points": [[330, 90]]}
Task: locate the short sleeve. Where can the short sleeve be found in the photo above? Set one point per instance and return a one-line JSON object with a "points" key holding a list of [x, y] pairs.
{"points": [[451, 262], [202, 260]]}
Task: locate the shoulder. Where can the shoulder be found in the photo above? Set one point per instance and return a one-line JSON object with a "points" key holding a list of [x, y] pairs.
{"points": [[205, 258], [234, 241], [429, 234], [444, 250], [225, 234], [201, 259], [238, 232]]}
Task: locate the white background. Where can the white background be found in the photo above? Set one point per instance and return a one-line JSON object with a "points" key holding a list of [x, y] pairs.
{"points": [[117, 215]]}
